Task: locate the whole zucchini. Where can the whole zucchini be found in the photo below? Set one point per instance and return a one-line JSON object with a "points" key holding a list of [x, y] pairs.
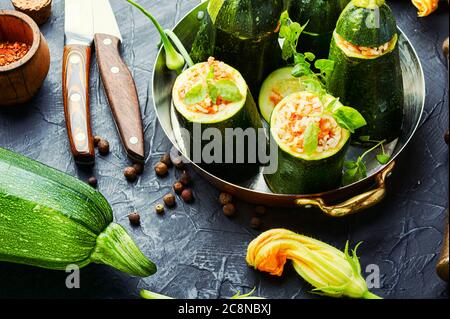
{"points": [[367, 73], [321, 16], [243, 34], [49, 219], [300, 171]]}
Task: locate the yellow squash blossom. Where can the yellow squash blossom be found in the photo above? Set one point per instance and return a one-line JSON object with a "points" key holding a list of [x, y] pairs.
{"points": [[332, 272], [426, 7]]}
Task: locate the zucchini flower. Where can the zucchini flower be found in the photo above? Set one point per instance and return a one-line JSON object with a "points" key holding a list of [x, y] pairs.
{"points": [[426, 7], [332, 272]]}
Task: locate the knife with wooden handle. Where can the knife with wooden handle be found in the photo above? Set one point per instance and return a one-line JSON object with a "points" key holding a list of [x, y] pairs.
{"points": [[117, 80], [78, 28]]}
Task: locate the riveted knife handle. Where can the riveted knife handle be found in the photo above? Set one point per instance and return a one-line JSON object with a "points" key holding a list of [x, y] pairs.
{"points": [[76, 62], [122, 96]]}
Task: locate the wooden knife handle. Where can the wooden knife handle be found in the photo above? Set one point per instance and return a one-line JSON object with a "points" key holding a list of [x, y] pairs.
{"points": [[76, 62], [122, 95]]}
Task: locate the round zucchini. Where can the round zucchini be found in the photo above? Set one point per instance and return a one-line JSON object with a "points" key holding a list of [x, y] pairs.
{"points": [[240, 114], [300, 171], [321, 16], [367, 73], [242, 33], [275, 88]]}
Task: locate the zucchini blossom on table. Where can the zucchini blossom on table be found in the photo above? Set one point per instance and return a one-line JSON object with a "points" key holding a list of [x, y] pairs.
{"points": [[333, 273], [426, 7]]}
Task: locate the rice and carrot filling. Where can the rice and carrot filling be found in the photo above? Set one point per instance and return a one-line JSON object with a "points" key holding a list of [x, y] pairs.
{"points": [[200, 75], [295, 115], [368, 52]]}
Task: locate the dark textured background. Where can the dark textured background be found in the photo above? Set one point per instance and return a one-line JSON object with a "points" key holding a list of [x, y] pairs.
{"points": [[200, 252]]}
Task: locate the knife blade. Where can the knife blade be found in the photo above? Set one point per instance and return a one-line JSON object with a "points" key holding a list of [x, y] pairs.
{"points": [[79, 34], [117, 80]]}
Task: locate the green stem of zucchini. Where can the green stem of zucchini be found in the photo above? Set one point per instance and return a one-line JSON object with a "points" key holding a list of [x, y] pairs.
{"points": [[153, 295], [180, 47], [369, 295], [116, 248], [369, 4], [174, 60]]}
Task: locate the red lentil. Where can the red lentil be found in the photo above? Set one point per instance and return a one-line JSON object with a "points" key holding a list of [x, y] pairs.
{"points": [[12, 52]]}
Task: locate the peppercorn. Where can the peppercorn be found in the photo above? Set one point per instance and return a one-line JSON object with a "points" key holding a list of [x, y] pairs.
{"points": [[92, 181], [134, 218], [103, 147], [446, 137], [161, 169], [130, 174], [185, 178], [169, 200], [225, 198], [229, 210], [159, 209], [255, 223], [260, 210], [139, 168], [445, 48], [178, 187], [187, 195], [166, 160], [178, 162], [97, 140]]}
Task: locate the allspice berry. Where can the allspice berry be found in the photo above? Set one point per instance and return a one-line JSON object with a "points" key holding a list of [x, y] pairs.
{"points": [[260, 210], [97, 140], [159, 209], [229, 210], [134, 218], [185, 178], [178, 162], [169, 200], [166, 160], [130, 174], [187, 195], [103, 147], [225, 198], [445, 48], [92, 181], [255, 223], [161, 169], [139, 168], [178, 187], [446, 137]]}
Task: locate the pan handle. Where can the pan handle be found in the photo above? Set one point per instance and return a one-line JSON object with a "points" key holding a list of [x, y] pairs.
{"points": [[355, 204]]}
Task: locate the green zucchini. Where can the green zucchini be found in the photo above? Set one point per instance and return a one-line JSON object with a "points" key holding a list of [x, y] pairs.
{"points": [[243, 34], [372, 83], [223, 115], [51, 220], [276, 87], [300, 171], [321, 16]]}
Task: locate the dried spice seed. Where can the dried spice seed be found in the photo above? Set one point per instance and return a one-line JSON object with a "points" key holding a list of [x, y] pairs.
{"points": [[134, 218], [166, 160], [161, 169], [178, 162], [97, 140], [103, 147], [446, 137], [260, 210], [178, 187], [225, 198], [169, 200], [130, 174], [159, 209], [12, 52], [139, 168], [187, 195], [185, 178], [92, 181], [229, 210], [255, 223]]}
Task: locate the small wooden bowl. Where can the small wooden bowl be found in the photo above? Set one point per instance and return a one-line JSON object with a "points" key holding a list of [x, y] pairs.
{"points": [[21, 80]]}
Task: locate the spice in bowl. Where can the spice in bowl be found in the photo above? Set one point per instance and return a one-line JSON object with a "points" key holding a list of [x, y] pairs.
{"points": [[11, 52]]}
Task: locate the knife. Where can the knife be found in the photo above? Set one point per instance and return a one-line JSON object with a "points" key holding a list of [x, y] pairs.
{"points": [[79, 34], [117, 80]]}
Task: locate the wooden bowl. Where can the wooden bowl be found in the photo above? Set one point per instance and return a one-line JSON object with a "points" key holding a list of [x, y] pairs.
{"points": [[21, 80]]}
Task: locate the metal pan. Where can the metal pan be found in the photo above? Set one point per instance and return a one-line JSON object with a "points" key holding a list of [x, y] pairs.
{"points": [[337, 203]]}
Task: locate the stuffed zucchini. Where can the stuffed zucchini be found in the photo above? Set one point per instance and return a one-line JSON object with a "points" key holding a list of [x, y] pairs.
{"points": [[311, 145], [214, 95], [243, 34], [321, 16], [367, 72]]}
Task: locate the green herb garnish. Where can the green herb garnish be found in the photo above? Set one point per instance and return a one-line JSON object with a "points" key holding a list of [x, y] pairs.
{"points": [[228, 90], [195, 95], [311, 138], [349, 118], [355, 171]]}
